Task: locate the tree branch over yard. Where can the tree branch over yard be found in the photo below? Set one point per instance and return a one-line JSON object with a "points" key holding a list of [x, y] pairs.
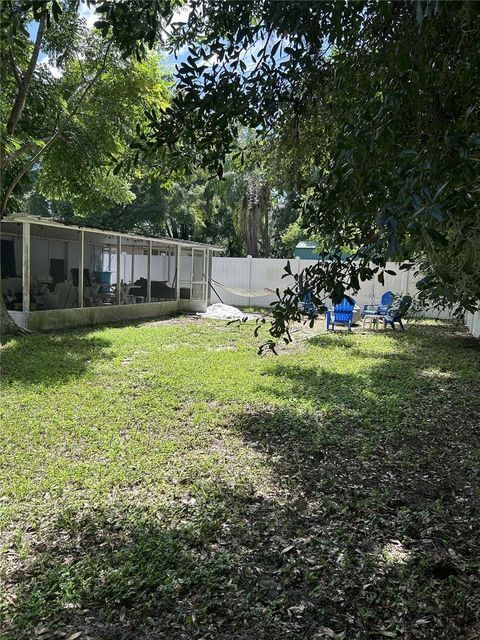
{"points": [[379, 139], [23, 83], [15, 69]]}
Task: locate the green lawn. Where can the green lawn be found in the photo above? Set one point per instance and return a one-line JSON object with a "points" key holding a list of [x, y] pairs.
{"points": [[162, 481]]}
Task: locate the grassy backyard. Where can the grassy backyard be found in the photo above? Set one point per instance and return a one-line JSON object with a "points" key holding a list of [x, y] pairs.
{"points": [[162, 481]]}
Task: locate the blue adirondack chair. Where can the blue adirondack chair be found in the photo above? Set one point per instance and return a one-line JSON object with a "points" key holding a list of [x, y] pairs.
{"points": [[396, 312], [308, 306], [378, 309], [342, 314], [385, 303]]}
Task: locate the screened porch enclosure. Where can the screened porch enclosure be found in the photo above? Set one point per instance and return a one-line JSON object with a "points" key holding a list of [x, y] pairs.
{"points": [[48, 266]]}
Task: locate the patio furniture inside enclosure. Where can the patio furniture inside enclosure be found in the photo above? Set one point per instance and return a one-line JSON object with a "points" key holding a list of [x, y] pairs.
{"points": [[39, 266], [50, 266]]}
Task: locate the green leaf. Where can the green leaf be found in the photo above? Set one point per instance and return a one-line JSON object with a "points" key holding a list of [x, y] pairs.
{"points": [[437, 236], [436, 212], [56, 10], [275, 48]]}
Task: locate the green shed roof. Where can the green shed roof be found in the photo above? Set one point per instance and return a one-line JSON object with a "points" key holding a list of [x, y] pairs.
{"points": [[306, 244], [306, 249]]}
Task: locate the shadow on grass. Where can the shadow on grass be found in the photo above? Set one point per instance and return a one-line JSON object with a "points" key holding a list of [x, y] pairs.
{"points": [[449, 335], [330, 550], [367, 524], [51, 358]]}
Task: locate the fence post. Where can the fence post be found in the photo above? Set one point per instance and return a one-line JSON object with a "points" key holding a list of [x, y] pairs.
{"points": [[407, 278], [249, 262], [297, 260], [475, 331]]}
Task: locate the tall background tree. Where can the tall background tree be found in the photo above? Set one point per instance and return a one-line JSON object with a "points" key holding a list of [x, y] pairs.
{"points": [[79, 116]]}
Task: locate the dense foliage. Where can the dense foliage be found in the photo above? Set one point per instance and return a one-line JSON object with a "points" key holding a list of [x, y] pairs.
{"points": [[191, 207], [84, 107], [372, 109]]}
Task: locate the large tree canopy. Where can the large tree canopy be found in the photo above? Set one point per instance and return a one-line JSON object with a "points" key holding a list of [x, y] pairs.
{"points": [[374, 107], [84, 105]]}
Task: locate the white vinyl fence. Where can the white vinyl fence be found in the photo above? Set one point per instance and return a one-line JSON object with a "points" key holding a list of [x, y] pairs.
{"points": [[253, 281], [472, 321]]}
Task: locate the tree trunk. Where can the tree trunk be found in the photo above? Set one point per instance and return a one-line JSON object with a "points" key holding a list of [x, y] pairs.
{"points": [[8, 327], [250, 213], [264, 210], [254, 229]]}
